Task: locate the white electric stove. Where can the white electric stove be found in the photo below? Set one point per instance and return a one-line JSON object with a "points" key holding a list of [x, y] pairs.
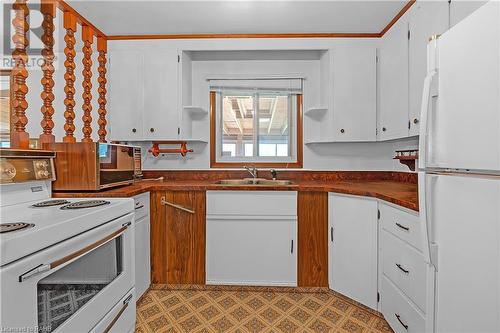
{"points": [[66, 265]]}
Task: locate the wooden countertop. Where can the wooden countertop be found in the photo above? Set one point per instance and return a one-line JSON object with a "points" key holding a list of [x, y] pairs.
{"points": [[404, 194]]}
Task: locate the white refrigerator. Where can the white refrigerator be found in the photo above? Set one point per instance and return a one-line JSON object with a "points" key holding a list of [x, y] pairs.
{"points": [[459, 175]]}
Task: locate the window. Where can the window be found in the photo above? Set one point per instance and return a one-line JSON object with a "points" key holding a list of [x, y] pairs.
{"points": [[256, 123]]}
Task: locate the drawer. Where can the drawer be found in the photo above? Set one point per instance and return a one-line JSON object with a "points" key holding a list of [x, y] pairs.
{"points": [[401, 315], [141, 202], [402, 224], [252, 203], [405, 267], [121, 318]]}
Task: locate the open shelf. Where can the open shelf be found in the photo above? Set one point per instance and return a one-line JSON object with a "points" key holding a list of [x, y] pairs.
{"points": [[195, 110]]}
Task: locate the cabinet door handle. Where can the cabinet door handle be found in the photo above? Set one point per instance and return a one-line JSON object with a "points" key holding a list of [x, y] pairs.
{"points": [[331, 234], [291, 248], [166, 203], [151, 129], [402, 226], [401, 322], [402, 269], [134, 130]]}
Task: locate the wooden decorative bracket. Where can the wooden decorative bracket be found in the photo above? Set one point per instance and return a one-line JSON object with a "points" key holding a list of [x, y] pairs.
{"points": [[407, 157], [19, 136], [183, 150], [69, 76], [87, 38], [48, 10]]}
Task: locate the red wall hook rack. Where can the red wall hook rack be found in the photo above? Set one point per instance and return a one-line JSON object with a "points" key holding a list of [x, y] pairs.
{"points": [[183, 150]]}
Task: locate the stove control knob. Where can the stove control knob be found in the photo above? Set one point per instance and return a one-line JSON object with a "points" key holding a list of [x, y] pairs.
{"points": [[42, 174], [41, 164], [7, 171]]}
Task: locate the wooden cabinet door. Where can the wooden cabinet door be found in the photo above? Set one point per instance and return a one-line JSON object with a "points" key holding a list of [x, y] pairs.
{"points": [[428, 18], [125, 95], [392, 122], [178, 237], [354, 94], [161, 114], [353, 249]]}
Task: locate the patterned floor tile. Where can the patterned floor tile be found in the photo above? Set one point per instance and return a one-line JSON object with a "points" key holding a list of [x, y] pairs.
{"points": [[213, 309]]}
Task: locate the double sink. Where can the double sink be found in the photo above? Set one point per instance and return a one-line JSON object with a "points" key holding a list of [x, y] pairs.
{"points": [[255, 181]]}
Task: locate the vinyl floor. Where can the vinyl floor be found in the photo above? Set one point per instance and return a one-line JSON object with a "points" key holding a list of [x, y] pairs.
{"points": [[166, 308]]}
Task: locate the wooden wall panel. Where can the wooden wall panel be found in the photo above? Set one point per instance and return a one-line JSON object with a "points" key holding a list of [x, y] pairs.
{"points": [[312, 213]]}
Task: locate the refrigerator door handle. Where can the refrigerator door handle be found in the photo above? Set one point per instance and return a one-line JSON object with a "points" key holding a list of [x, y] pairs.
{"points": [[429, 248], [424, 117]]}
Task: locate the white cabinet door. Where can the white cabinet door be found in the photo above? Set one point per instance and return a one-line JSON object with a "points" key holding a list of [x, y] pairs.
{"points": [[142, 256], [125, 95], [428, 18], [253, 251], [354, 93], [392, 122], [352, 250], [460, 9], [161, 115]]}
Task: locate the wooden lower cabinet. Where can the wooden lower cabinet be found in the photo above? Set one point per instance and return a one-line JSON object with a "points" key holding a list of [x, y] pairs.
{"points": [[178, 237], [312, 211]]}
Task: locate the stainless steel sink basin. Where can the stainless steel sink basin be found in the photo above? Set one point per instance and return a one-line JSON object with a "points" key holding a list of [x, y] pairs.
{"points": [[257, 181]]}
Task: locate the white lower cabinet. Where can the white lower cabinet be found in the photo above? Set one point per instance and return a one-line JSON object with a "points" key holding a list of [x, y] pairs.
{"points": [[352, 247], [401, 315], [406, 281], [256, 247], [142, 244]]}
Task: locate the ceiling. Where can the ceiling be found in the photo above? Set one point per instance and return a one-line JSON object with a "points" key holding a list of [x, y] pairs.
{"points": [[124, 17]]}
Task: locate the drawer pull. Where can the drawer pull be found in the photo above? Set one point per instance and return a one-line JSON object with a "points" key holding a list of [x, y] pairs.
{"points": [[402, 226], [166, 203], [402, 269], [118, 315], [401, 322], [139, 207], [291, 249], [331, 234]]}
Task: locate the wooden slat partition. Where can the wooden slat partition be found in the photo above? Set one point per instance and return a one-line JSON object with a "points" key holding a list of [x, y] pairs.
{"points": [[19, 136], [87, 38], [69, 76], [48, 10], [102, 48]]}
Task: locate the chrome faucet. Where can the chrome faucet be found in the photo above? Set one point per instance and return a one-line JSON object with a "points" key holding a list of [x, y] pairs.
{"points": [[253, 171]]}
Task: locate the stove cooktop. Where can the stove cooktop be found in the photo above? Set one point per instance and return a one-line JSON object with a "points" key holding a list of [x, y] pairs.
{"points": [[48, 224]]}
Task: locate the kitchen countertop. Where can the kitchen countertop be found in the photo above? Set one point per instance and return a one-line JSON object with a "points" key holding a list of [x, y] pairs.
{"points": [[404, 194]]}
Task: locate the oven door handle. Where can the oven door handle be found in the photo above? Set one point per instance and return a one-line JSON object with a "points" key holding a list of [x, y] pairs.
{"points": [[118, 315], [47, 267]]}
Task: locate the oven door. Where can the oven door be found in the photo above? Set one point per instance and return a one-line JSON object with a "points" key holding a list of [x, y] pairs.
{"points": [[69, 287]]}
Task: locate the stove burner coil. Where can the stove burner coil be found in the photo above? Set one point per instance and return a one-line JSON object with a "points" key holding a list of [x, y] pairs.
{"points": [[85, 204], [8, 227], [50, 203]]}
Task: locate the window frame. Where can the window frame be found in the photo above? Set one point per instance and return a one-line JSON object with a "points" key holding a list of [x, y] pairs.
{"points": [[213, 141]]}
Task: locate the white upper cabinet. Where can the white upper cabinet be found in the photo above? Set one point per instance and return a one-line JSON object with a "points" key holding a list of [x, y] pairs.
{"points": [[460, 9], [354, 93], [353, 248], [125, 95], [161, 114], [427, 18], [403, 66], [392, 122], [143, 95]]}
